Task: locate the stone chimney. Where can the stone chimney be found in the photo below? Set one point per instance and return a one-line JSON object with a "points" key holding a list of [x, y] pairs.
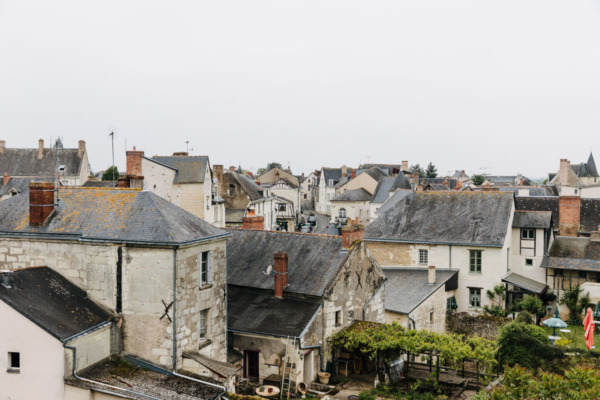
{"points": [[569, 208], [134, 162], [41, 202], [281, 273], [6, 178], [344, 171], [431, 275], [404, 165], [255, 223], [563, 172], [2, 146], [595, 235], [353, 173], [40, 149], [81, 149], [351, 234], [218, 172]]}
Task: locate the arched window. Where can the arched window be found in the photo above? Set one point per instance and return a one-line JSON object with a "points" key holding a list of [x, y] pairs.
{"points": [[342, 213]]}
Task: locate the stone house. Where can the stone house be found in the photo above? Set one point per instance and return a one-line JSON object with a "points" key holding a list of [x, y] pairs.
{"points": [[27, 164], [575, 176], [366, 179], [419, 298], [277, 212], [308, 184], [159, 267], [62, 344], [238, 190], [469, 232], [387, 186], [352, 205], [274, 174], [183, 180], [329, 179], [286, 189], [317, 285]]}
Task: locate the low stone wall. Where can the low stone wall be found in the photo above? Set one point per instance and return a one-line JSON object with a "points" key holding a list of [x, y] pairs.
{"points": [[485, 326]]}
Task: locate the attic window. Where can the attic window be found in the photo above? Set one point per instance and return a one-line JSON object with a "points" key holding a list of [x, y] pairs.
{"points": [[281, 207], [14, 362], [231, 192], [338, 318]]}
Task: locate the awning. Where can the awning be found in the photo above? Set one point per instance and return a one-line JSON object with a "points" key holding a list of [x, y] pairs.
{"points": [[525, 283]]}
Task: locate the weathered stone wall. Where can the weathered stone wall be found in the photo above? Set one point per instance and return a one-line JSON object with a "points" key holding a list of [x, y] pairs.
{"points": [[91, 348], [485, 326], [272, 352], [422, 315], [393, 253]]}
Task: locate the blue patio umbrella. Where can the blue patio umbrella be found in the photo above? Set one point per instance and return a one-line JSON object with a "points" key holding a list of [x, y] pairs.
{"points": [[555, 322]]}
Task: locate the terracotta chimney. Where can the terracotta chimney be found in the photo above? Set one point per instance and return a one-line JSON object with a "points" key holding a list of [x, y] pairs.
{"points": [[281, 273], [351, 234], [81, 149], [6, 178], [40, 149], [2, 146], [563, 172], [41, 202], [353, 173], [569, 208], [134, 162], [256, 223], [419, 188], [431, 275], [218, 172]]}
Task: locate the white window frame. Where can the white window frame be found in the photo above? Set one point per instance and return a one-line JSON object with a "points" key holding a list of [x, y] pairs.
{"points": [[342, 213], [423, 257], [525, 234], [205, 280], [202, 324]]}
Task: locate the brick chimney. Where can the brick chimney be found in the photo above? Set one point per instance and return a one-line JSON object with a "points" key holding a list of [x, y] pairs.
{"points": [[81, 149], [218, 172], [6, 178], [431, 275], [2, 146], [404, 165], [281, 273], [351, 234], [569, 208], [353, 173], [41, 202], [134, 162], [563, 172], [256, 223], [40, 149]]}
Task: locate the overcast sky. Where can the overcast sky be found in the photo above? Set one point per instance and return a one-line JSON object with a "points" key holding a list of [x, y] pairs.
{"points": [[512, 86]]}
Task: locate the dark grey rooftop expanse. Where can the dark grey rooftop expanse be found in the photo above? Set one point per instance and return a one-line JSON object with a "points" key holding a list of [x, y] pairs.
{"points": [[313, 260], [383, 189], [353, 195], [532, 219], [469, 218], [26, 163], [248, 185], [52, 302], [127, 215], [15, 185], [407, 288], [398, 196], [259, 311], [573, 253], [190, 169]]}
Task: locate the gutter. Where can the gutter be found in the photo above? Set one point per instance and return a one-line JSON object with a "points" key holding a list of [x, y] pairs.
{"points": [[413, 321], [87, 331], [372, 297], [431, 242]]}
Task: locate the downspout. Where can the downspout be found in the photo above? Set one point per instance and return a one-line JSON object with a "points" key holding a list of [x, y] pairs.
{"points": [[449, 256], [79, 378], [174, 308], [413, 321], [372, 297], [321, 358]]}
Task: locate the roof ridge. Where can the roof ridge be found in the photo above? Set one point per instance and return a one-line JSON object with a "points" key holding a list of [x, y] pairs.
{"points": [[281, 232]]}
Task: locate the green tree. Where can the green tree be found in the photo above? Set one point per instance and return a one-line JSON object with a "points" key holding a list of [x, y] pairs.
{"points": [[108, 174], [576, 302], [532, 305], [416, 170], [261, 171], [274, 164], [431, 171], [478, 179], [526, 345], [497, 296]]}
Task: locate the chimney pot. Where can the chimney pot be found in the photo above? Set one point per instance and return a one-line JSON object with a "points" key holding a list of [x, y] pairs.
{"points": [[431, 275], [218, 171], [2, 146], [280, 268], [352, 233], [404, 165], [40, 148], [6, 178]]}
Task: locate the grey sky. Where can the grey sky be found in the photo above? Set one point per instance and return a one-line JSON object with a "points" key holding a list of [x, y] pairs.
{"points": [[509, 85]]}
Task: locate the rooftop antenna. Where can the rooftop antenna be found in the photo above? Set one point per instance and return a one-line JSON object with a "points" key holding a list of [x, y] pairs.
{"points": [[112, 138], [187, 147], [58, 146]]}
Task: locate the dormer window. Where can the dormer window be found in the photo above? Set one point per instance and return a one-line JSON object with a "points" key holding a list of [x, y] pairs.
{"points": [[231, 192]]}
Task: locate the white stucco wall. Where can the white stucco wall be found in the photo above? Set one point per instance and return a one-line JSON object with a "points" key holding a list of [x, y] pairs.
{"points": [[158, 179], [519, 255], [354, 209]]}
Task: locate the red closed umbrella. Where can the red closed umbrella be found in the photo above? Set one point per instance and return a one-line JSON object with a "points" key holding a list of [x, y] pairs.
{"points": [[589, 327]]}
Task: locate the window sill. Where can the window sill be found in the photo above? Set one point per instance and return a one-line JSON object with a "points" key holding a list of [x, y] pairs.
{"points": [[206, 286], [13, 371], [204, 343], [474, 273]]}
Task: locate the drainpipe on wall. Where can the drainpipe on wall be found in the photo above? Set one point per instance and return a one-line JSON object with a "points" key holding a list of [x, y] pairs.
{"points": [[413, 321], [321, 358], [174, 308]]}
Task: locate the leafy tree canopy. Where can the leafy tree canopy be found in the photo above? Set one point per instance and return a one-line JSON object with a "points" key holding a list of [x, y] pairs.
{"points": [[431, 171], [274, 164], [526, 345], [478, 179], [416, 170], [108, 174]]}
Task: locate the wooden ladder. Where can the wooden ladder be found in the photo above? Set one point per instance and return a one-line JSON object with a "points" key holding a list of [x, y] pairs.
{"points": [[288, 368]]}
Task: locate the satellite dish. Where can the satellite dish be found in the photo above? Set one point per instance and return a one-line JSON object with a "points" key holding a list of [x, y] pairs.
{"points": [[269, 270]]}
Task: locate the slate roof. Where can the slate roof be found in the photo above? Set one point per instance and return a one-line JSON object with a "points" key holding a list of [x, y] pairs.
{"points": [[533, 191], [259, 311], [449, 182], [332, 173], [222, 368], [354, 195], [394, 199], [468, 218], [17, 184], [248, 185], [575, 253], [387, 168], [525, 283], [383, 189], [532, 219], [538, 204], [586, 170], [313, 260], [590, 215], [375, 173], [341, 182], [25, 162], [234, 215], [100, 184], [122, 215], [190, 169], [401, 182], [52, 302], [145, 381], [437, 187], [407, 288]]}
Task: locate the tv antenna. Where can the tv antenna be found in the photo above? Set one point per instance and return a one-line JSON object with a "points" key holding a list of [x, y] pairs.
{"points": [[187, 147]]}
